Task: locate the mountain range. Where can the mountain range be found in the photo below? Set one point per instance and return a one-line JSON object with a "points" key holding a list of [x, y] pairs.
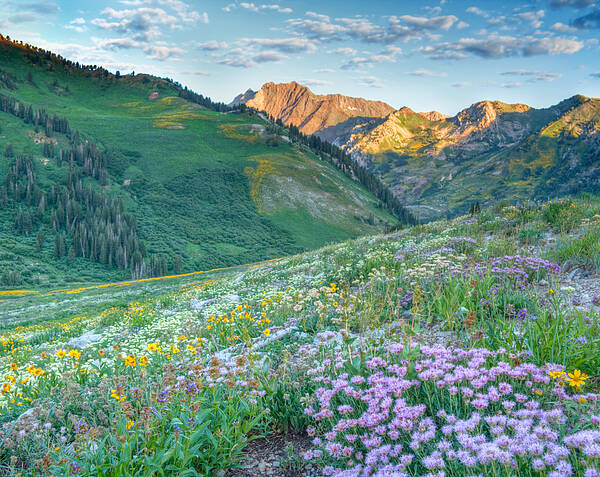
{"points": [[439, 165]]}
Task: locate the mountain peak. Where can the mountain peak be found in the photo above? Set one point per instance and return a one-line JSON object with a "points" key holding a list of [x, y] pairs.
{"points": [[295, 104]]}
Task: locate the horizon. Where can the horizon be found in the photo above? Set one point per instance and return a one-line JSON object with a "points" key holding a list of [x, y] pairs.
{"points": [[443, 56]]}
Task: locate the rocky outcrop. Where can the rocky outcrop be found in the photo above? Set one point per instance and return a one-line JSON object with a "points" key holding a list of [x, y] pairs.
{"points": [[297, 105]]}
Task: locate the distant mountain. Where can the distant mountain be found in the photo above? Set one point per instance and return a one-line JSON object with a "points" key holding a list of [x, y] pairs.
{"points": [[327, 115], [441, 164]]}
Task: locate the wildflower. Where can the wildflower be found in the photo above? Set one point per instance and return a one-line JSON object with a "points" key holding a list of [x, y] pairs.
{"points": [[143, 361], [101, 352], [129, 424], [556, 374], [576, 378], [60, 353], [551, 291], [6, 388], [267, 332], [116, 396], [130, 360], [152, 347], [74, 354], [174, 349], [13, 367], [182, 337]]}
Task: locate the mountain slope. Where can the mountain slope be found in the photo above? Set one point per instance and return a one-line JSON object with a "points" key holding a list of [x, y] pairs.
{"points": [[200, 187], [440, 165]]}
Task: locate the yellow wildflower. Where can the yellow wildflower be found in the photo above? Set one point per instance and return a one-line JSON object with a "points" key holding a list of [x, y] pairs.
{"points": [[130, 360], [60, 353], [74, 354], [576, 378], [267, 332]]}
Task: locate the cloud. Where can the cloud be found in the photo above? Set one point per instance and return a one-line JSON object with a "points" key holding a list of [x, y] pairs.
{"points": [[324, 70], [370, 81], [116, 43], [562, 28], [257, 8], [424, 72], [195, 73], [363, 30], [534, 75], [358, 61], [25, 17], [163, 53], [182, 9], [434, 23], [40, 8], [142, 23], [212, 45], [512, 84], [591, 21], [154, 51], [315, 82], [148, 22], [346, 51], [268, 56], [595, 75], [462, 25], [405, 27], [462, 84], [495, 46], [237, 62], [571, 3], [478, 11], [533, 18], [285, 45], [78, 24]]}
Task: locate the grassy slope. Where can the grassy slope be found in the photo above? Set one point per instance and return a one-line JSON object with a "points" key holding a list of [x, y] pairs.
{"points": [[188, 172], [127, 318]]}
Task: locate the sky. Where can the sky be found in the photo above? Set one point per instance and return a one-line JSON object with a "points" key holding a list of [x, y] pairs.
{"points": [[439, 55]]}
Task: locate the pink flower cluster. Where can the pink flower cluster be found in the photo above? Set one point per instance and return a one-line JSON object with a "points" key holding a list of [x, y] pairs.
{"points": [[441, 411]]}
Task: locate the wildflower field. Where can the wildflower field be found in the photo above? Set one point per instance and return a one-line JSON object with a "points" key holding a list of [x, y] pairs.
{"points": [[459, 347]]}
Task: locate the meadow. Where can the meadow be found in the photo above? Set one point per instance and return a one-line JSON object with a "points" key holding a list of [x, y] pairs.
{"points": [[459, 347]]}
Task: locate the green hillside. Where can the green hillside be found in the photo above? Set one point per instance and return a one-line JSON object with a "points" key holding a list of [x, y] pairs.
{"points": [[167, 183]]}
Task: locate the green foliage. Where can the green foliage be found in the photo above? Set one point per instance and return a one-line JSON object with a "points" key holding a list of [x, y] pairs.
{"points": [[582, 250]]}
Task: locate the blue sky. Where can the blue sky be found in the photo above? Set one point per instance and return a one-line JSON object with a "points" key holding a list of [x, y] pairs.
{"points": [[426, 55]]}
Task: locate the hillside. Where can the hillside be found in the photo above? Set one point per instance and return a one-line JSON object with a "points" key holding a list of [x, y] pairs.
{"points": [[123, 175], [476, 337], [440, 165]]}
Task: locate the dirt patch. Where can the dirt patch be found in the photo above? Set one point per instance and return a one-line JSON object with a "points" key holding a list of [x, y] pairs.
{"points": [[41, 138], [269, 456], [153, 96]]}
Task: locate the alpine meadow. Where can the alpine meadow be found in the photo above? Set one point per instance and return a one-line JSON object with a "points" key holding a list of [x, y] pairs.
{"points": [[382, 258]]}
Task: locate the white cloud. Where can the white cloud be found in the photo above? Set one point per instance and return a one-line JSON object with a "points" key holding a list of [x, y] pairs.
{"points": [[315, 82], [562, 28], [478, 11], [212, 45], [370, 81], [285, 45], [424, 72]]}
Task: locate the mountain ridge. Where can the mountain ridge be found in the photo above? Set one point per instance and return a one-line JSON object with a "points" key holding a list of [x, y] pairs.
{"points": [[516, 150]]}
